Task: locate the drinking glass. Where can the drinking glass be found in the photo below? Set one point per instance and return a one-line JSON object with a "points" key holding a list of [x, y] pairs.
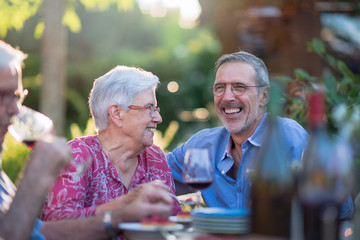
{"points": [[29, 126], [198, 170]]}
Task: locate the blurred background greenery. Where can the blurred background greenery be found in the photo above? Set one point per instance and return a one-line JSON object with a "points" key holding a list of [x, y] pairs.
{"points": [[303, 43]]}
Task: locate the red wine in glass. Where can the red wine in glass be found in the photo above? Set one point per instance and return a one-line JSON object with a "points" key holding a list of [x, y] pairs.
{"points": [[29, 143], [199, 185]]}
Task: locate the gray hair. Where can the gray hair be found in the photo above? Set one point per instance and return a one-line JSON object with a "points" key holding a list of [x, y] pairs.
{"points": [[119, 86], [10, 57], [262, 73]]}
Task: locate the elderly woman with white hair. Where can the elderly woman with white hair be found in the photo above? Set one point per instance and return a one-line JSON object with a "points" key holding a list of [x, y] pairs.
{"points": [[121, 156]]}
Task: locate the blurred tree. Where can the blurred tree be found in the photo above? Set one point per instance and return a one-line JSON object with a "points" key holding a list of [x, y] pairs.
{"points": [[54, 46], [53, 63]]}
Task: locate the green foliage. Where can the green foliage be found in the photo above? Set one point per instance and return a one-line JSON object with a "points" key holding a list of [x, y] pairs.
{"points": [[342, 89], [89, 130], [14, 13], [14, 157], [340, 84]]}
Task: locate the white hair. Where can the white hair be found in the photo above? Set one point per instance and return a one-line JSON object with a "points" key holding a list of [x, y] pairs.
{"points": [[262, 74], [119, 86], [10, 57]]}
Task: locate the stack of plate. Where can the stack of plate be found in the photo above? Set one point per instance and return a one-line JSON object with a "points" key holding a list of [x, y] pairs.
{"points": [[221, 220]]}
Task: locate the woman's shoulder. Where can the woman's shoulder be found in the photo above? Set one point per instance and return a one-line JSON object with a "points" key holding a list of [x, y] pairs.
{"points": [[85, 145], [154, 157], [155, 149], [85, 140]]}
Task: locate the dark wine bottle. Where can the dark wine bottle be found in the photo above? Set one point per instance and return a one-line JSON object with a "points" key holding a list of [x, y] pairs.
{"points": [[272, 184], [319, 181]]}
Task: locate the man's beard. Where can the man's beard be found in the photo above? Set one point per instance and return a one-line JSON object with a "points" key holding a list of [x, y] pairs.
{"points": [[249, 119]]}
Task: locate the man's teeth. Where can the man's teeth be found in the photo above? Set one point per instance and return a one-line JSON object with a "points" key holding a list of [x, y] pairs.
{"points": [[232, 110], [151, 129]]}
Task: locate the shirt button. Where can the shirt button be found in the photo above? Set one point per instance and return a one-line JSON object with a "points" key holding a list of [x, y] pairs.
{"points": [[239, 190], [223, 172]]}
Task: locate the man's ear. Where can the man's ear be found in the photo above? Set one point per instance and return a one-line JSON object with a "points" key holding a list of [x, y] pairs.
{"points": [[116, 114], [264, 96]]}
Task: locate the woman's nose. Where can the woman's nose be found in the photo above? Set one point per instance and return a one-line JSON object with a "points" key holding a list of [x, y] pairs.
{"points": [[157, 117]]}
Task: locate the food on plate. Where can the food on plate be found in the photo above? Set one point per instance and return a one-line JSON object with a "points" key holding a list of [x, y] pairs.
{"points": [[184, 215], [156, 221]]}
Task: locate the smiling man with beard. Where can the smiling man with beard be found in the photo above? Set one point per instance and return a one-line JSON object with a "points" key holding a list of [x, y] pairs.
{"points": [[241, 93]]}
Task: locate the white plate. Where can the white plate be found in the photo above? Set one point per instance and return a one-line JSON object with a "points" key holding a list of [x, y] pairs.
{"points": [[179, 220], [136, 231]]}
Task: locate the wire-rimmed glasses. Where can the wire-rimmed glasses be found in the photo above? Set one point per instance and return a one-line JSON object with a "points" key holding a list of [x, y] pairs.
{"points": [[237, 89], [152, 108]]}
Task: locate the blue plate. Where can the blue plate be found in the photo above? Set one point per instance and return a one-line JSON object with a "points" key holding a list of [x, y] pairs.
{"points": [[221, 212], [221, 220]]}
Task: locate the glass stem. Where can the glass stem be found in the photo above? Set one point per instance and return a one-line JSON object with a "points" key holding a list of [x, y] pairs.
{"points": [[198, 197]]}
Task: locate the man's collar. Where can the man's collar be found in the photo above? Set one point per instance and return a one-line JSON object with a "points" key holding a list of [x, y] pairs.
{"points": [[258, 136], [255, 139]]}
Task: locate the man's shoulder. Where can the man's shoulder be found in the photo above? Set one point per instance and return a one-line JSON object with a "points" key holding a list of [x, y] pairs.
{"points": [[291, 128], [289, 123]]}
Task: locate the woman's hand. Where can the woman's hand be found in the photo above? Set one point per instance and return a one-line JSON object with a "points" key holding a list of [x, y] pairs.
{"points": [[149, 195], [149, 199]]}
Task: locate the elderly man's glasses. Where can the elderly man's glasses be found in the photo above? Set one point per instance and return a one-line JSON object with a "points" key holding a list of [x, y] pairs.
{"points": [[237, 89], [8, 97], [152, 108]]}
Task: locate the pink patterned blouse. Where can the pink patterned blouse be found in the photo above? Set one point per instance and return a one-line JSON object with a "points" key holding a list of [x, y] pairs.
{"points": [[74, 196]]}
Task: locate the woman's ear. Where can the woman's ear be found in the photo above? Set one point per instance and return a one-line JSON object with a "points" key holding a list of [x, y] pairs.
{"points": [[115, 114]]}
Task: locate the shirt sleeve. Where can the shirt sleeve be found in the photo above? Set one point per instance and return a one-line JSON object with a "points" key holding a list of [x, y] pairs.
{"points": [[66, 198], [36, 234], [296, 138]]}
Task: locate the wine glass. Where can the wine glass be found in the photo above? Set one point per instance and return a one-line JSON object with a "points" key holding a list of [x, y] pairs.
{"points": [[198, 170], [29, 126]]}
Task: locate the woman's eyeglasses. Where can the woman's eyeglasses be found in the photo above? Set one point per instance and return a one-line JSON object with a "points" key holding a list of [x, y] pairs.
{"points": [[152, 108]]}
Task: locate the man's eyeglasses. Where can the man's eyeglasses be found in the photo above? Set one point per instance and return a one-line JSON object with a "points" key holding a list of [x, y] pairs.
{"points": [[8, 97], [237, 89], [152, 108]]}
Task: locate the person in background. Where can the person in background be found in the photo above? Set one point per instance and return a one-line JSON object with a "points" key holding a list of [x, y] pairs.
{"points": [[121, 155], [241, 93], [20, 207]]}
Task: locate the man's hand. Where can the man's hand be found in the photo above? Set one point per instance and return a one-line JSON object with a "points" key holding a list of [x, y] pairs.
{"points": [[50, 155]]}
